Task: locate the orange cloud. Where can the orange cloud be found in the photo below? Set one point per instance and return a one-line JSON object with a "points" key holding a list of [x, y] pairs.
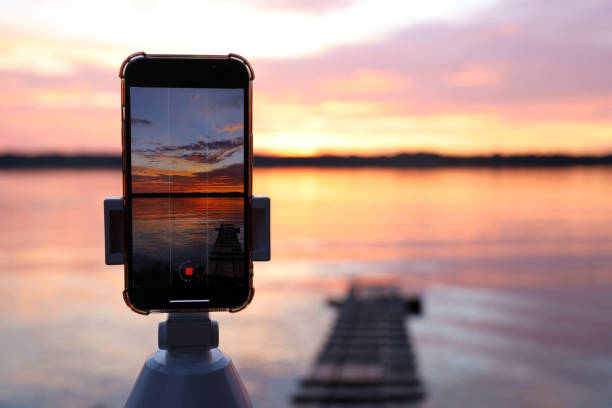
{"points": [[226, 179], [231, 128], [365, 81], [141, 170]]}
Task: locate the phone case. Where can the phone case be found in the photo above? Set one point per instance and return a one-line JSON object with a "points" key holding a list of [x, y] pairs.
{"points": [[124, 64]]}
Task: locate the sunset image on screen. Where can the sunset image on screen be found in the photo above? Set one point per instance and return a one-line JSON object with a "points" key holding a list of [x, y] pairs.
{"points": [[187, 140], [187, 152]]}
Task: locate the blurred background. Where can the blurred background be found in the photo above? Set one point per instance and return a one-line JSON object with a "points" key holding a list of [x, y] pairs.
{"points": [[514, 263]]}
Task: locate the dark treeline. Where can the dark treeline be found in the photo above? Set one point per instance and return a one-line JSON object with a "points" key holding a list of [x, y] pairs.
{"points": [[415, 160], [419, 160], [59, 161]]}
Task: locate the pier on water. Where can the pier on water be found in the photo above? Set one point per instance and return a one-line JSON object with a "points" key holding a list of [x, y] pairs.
{"points": [[368, 359], [227, 256]]}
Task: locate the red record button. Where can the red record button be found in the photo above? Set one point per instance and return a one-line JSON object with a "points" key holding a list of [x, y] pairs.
{"points": [[187, 271]]}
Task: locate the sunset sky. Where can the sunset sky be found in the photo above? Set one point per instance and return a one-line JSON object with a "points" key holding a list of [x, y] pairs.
{"points": [[341, 77], [187, 140]]}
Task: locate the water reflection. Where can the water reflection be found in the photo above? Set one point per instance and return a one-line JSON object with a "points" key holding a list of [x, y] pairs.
{"points": [[516, 265], [180, 245]]}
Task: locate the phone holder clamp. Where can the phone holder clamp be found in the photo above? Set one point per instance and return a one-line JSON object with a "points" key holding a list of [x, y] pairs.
{"points": [[114, 229]]}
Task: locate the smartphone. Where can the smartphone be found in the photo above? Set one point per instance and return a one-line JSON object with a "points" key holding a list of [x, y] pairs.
{"points": [[187, 165]]}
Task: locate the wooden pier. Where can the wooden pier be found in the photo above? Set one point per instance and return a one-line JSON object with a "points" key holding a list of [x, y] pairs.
{"points": [[368, 359], [227, 257]]}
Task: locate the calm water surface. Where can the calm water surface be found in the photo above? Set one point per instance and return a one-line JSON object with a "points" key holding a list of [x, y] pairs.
{"points": [[170, 234], [515, 267]]}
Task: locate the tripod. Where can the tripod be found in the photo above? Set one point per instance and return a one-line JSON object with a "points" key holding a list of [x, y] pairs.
{"points": [[188, 370]]}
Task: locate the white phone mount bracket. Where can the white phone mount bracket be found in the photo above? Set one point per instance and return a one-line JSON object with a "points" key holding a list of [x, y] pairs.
{"points": [[188, 370], [114, 232]]}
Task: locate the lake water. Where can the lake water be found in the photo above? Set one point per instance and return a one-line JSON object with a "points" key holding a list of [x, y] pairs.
{"points": [[170, 235], [515, 268]]}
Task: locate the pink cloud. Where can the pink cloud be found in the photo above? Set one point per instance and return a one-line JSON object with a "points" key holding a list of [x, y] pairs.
{"points": [[475, 76], [69, 113], [523, 52]]}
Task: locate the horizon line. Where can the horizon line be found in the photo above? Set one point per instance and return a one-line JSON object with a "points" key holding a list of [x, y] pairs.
{"points": [[17, 154], [404, 159], [212, 194]]}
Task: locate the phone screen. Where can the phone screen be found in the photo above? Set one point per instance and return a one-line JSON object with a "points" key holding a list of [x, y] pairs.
{"points": [[187, 190]]}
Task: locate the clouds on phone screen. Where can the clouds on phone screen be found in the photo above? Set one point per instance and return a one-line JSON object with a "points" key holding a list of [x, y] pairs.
{"points": [[187, 139]]}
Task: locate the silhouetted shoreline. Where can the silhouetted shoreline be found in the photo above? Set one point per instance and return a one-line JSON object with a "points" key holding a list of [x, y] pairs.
{"points": [[52, 161], [422, 160], [405, 160]]}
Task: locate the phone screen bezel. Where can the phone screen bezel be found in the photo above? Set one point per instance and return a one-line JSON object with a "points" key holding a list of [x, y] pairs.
{"points": [[186, 72]]}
